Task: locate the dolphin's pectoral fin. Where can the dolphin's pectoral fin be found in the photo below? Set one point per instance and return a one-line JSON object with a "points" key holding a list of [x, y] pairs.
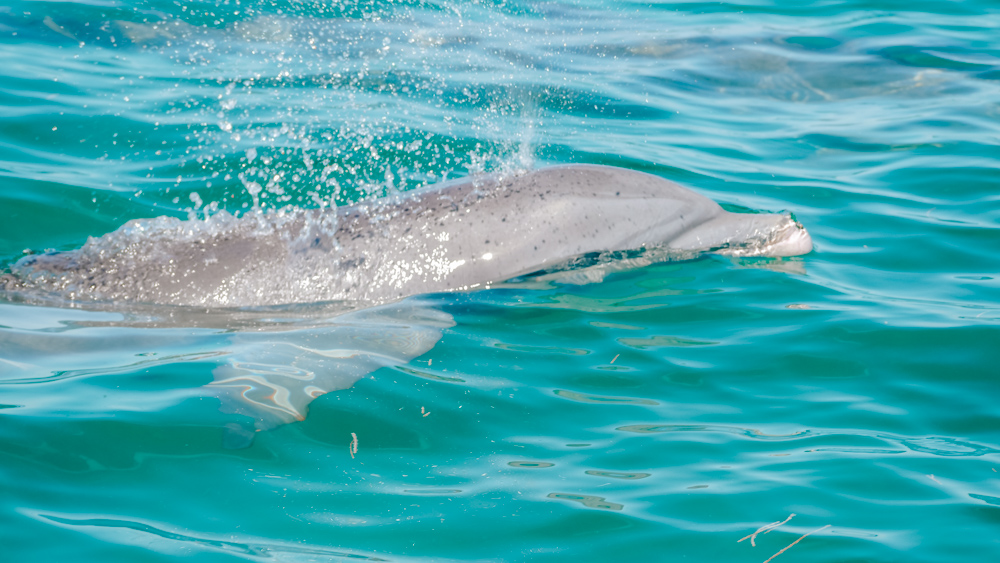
{"points": [[279, 392], [272, 378]]}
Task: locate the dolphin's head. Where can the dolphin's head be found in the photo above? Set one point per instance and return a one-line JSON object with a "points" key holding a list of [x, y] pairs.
{"points": [[790, 238], [773, 235]]}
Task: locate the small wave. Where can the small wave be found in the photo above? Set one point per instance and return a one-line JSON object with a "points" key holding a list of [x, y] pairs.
{"points": [[141, 533], [934, 445]]}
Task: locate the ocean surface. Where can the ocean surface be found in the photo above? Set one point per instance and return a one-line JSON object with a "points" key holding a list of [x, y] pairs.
{"points": [[849, 398]]}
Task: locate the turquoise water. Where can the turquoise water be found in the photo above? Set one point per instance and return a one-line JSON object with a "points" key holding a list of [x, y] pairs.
{"points": [[661, 414]]}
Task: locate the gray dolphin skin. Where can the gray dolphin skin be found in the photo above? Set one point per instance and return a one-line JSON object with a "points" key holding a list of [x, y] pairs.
{"points": [[455, 236]]}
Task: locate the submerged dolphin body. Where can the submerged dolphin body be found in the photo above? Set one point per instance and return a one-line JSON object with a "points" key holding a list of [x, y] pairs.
{"points": [[268, 364], [459, 235]]}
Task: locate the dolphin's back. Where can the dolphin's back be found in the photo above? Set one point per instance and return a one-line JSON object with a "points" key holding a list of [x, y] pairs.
{"points": [[458, 235], [470, 233]]}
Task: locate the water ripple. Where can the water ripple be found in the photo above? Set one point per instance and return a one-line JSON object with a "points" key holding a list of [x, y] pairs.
{"points": [[933, 445], [142, 533]]}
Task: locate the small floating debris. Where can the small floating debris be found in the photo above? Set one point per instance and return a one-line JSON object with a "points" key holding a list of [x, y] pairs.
{"points": [[795, 542], [773, 525], [765, 529]]}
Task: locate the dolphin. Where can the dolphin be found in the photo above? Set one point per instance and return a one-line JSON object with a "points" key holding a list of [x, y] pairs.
{"points": [[458, 235]]}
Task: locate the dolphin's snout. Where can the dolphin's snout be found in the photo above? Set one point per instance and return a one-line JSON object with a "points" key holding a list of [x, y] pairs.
{"points": [[791, 240]]}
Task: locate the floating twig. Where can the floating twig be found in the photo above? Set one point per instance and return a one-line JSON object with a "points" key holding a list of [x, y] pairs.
{"points": [[615, 358], [354, 444], [765, 529], [795, 542]]}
